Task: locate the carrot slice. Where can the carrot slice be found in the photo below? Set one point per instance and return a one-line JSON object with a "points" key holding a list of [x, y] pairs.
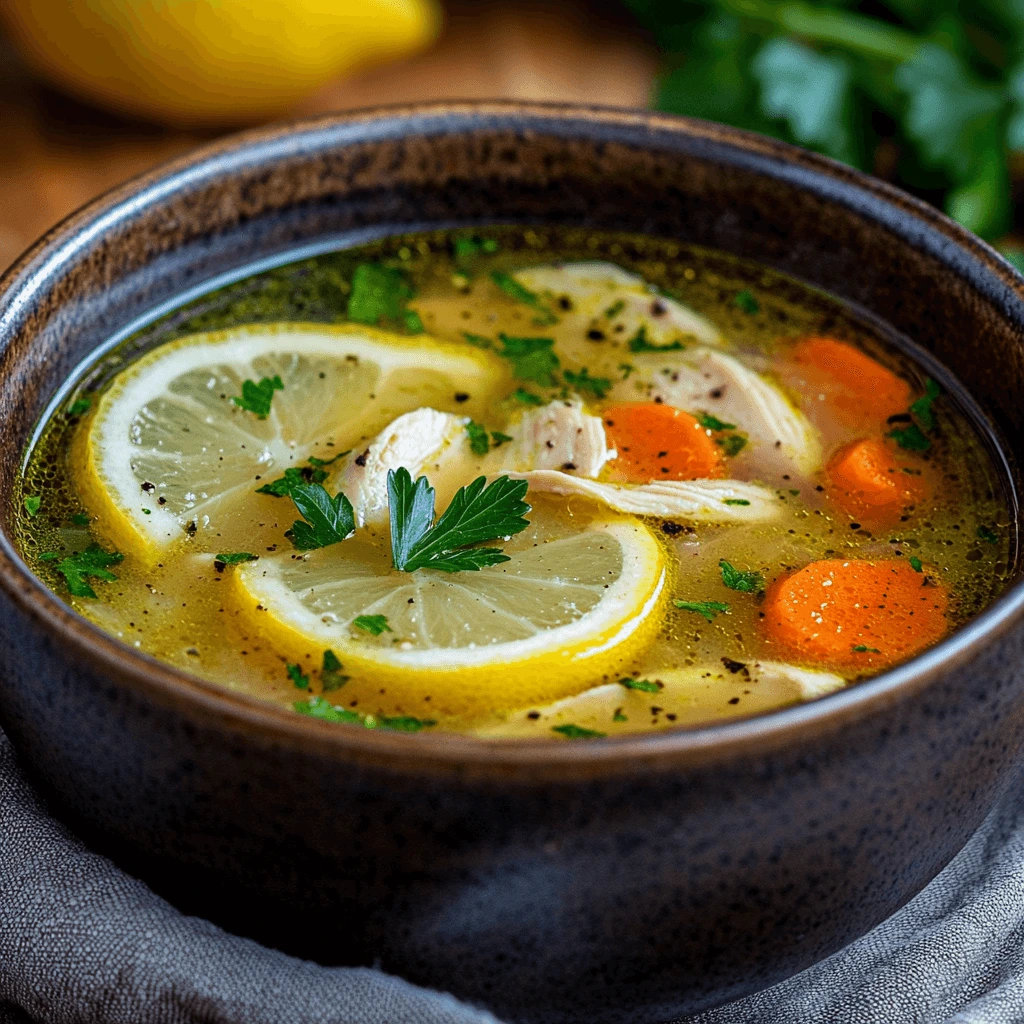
{"points": [[867, 482], [658, 442], [855, 616], [861, 391]]}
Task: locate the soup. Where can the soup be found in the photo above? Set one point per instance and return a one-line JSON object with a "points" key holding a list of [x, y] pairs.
{"points": [[519, 484]]}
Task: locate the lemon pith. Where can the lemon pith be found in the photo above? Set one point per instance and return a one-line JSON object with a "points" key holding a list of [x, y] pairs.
{"points": [[532, 629], [167, 448]]}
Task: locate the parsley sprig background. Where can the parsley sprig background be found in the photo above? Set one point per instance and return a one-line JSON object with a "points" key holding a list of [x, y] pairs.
{"points": [[928, 94]]}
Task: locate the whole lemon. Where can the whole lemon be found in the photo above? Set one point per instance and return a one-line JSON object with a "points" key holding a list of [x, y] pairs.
{"points": [[193, 62]]}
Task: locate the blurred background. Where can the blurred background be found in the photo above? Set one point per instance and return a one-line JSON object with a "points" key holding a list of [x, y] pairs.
{"points": [[928, 94]]}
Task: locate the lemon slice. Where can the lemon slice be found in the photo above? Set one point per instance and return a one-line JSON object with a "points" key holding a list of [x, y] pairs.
{"points": [[168, 452], [567, 609]]}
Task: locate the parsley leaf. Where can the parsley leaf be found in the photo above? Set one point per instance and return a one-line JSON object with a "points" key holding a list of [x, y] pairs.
{"points": [[293, 477], [639, 343], [736, 579], [615, 309], [379, 295], [32, 504], [80, 519], [921, 410], [527, 397], [577, 732], [864, 649], [317, 707], [318, 463], [532, 359], [910, 438], [479, 340], [478, 441], [465, 249], [987, 534], [514, 290], [327, 520], [330, 672], [746, 301], [256, 397], [710, 422], [498, 438], [232, 558], [298, 677], [478, 512], [731, 444], [709, 609], [375, 624], [643, 685], [79, 407], [583, 382], [916, 564], [735, 501], [92, 563]]}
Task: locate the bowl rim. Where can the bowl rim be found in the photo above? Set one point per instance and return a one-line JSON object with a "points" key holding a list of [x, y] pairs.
{"points": [[39, 267]]}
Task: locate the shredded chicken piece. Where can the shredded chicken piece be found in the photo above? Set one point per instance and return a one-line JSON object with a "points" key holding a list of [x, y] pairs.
{"points": [[810, 682], [604, 297], [705, 380], [704, 501], [558, 436], [413, 440]]}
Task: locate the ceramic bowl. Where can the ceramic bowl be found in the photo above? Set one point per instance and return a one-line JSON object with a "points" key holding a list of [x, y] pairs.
{"points": [[621, 881]]}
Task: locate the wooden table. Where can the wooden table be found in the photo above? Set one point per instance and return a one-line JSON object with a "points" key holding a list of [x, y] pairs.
{"points": [[58, 153]]}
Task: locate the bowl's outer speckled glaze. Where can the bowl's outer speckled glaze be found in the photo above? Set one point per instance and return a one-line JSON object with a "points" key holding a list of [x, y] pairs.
{"points": [[616, 882]]}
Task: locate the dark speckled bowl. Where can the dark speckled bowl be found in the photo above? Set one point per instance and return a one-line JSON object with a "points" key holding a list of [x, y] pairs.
{"points": [[624, 880]]}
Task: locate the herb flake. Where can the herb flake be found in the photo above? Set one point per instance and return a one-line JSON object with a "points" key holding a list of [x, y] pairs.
{"points": [[643, 685], [299, 679], [746, 582], [532, 359], [374, 624], [92, 563], [584, 383], [639, 343], [479, 443], [331, 677], [257, 396], [577, 732], [33, 502], [709, 609], [379, 296]]}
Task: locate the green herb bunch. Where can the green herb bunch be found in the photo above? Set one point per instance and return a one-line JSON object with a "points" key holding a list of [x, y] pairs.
{"points": [[926, 93]]}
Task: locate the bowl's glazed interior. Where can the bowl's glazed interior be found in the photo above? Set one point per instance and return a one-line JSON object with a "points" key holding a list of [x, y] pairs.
{"points": [[163, 769]]}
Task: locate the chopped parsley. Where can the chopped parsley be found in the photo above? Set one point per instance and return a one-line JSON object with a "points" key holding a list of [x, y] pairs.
{"points": [[916, 564], [746, 301], [478, 441], [380, 295], [232, 558], [731, 444], [331, 677], [921, 410], [527, 397], [80, 519], [32, 504], [864, 649], [627, 369], [498, 438], [736, 579], [910, 438], [298, 677], [619, 717], [987, 534], [79, 407], [479, 340], [643, 685], [709, 609], [532, 359], [583, 382], [257, 396], [577, 732], [639, 343], [327, 520], [615, 309], [375, 624], [735, 501], [293, 477], [319, 463], [319, 707], [466, 249], [478, 512], [92, 563], [514, 290], [710, 422]]}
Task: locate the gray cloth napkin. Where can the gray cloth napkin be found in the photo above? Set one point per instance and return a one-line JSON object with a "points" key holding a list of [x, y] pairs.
{"points": [[83, 943]]}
